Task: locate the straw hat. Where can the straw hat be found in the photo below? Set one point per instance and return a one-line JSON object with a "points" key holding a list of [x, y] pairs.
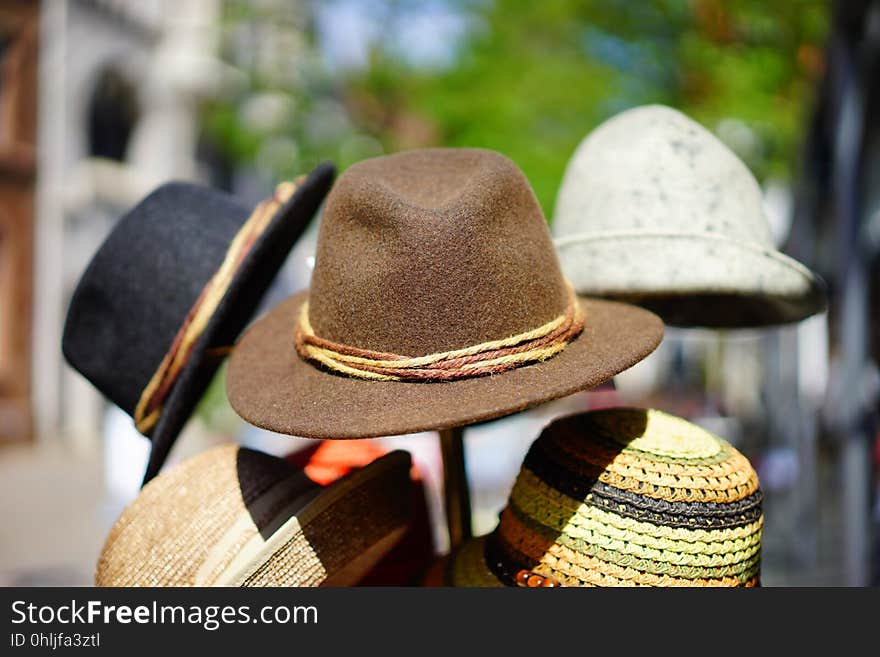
{"points": [[169, 291], [436, 302], [654, 209], [623, 497], [325, 461], [236, 517]]}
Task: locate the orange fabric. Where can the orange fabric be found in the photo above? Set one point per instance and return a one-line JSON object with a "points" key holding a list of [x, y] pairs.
{"points": [[326, 461]]}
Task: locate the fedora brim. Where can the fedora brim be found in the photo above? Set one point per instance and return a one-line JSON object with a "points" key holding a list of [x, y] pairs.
{"points": [[270, 386], [693, 280], [253, 277]]}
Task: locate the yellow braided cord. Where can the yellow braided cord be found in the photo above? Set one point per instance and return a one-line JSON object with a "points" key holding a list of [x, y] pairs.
{"points": [[215, 289], [532, 355], [346, 363], [431, 359], [328, 361]]}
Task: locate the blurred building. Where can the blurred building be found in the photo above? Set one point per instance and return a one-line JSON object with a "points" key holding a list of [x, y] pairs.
{"points": [[120, 86], [19, 45]]}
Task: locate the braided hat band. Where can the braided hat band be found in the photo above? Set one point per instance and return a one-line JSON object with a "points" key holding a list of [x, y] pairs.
{"points": [[624, 497], [491, 357]]}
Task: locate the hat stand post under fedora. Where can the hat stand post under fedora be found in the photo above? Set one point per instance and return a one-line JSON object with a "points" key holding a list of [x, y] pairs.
{"points": [[456, 492]]}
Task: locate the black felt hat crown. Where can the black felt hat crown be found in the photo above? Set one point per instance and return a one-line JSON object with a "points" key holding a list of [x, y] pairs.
{"points": [[152, 270]]}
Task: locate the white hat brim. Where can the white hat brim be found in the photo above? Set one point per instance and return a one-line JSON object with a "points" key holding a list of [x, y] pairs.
{"points": [[699, 279]]}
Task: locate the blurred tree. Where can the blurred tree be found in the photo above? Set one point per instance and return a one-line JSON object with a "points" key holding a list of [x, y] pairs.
{"points": [[530, 79], [533, 78], [281, 112]]}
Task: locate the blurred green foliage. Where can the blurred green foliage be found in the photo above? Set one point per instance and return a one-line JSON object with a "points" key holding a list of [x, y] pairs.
{"points": [[531, 79]]}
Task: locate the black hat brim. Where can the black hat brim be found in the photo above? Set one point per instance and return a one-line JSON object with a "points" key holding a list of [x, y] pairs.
{"points": [[250, 282]]}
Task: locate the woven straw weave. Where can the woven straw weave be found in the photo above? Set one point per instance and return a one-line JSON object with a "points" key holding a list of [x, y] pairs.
{"points": [[624, 497], [234, 516]]}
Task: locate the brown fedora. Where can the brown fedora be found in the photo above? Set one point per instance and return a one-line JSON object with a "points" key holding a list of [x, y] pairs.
{"points": [[436, 301]]}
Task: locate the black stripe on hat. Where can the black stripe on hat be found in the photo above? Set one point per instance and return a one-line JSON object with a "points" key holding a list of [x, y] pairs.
{"points": [[689, 515]]}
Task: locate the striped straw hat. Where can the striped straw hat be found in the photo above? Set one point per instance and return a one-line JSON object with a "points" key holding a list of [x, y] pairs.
{"points": [[623, 497], [236, 517]]}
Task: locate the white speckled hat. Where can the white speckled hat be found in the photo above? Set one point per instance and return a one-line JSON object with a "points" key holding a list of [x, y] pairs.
{"points": [[655, 210]]}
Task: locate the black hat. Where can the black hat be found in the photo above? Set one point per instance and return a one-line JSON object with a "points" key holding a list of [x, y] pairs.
{"points": [[171, 288]]}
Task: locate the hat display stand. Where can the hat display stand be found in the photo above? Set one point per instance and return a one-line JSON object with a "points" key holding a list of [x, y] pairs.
{"points": [[456, 491]]}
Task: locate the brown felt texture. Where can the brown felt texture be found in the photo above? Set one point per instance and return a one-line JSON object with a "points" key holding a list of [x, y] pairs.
{"points": [[271, 387], [432, 250], [420, 252]]}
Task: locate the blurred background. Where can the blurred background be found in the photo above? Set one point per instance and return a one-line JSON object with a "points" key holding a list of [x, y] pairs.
{"points": [[101, 100]]}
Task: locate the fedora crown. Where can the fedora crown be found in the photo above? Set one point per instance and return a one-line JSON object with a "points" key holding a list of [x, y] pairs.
{"points": [[432, 250], [654, 170]]}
